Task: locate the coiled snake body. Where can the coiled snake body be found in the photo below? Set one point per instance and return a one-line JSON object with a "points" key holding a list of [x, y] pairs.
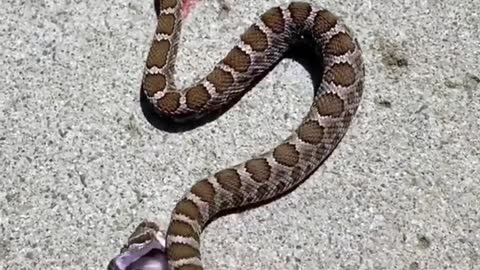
{"points": [[275, 172]]}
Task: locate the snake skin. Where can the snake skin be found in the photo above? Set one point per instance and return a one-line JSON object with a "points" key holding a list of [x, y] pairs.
{"points": [[277, 171]]}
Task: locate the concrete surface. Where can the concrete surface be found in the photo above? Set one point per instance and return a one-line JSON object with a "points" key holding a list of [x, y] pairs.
{"points": [[80, 166]]}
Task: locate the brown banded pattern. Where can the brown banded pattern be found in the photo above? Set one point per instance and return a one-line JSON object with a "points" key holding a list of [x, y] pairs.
{"points": [[274, 172]]}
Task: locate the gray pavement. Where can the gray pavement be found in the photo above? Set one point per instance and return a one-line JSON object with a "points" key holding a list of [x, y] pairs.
{"points": [[80, 166]]}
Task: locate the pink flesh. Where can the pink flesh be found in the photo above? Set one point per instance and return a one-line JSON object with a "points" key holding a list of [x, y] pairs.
{"points": [[188, 6]]}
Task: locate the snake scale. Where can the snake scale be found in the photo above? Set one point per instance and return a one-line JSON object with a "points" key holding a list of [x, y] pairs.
{"points": [[270, 174]]}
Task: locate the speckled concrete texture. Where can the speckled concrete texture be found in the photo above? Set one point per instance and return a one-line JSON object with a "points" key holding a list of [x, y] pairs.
{"points": [[80, 166]]}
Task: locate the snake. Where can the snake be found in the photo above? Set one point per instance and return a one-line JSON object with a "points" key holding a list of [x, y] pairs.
{"points": [[270, 174]]}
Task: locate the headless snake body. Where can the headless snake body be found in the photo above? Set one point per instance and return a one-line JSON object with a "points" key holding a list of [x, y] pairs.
{"points": [[273, 173]]}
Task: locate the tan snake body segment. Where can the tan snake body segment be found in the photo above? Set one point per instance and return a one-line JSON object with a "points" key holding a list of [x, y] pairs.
{"points": [[275, 172]]}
